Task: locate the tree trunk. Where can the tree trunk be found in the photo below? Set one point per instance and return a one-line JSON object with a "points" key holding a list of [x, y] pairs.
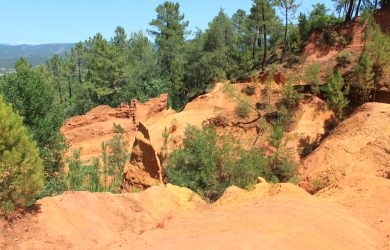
{"points": [[79, 66], [376, 4], [357, 8], [348, 17], [285, 35], [265, 39], [254, 45], [59, 91], [70, 89]]}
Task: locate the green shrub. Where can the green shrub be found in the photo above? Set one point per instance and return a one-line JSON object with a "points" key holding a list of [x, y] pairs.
{"points": [[242, 110], [250, 165], [344, 59], [199, 164], [312, 77], [329, 36], [21, 169], [208, 164]]}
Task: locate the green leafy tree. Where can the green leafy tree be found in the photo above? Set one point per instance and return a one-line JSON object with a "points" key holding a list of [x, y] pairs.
{"points": [[377, 45], [77, 60], [303, 28], [31, 94], [242, 55], [21, 169], [290, 96], [56, 67]]}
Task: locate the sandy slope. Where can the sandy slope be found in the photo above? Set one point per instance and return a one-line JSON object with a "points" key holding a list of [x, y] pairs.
{"points": [[170, 218], [359, 145], [352, 166]]}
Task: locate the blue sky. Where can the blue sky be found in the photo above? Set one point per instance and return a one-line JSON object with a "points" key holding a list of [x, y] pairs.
{"points": [[58, 21]]}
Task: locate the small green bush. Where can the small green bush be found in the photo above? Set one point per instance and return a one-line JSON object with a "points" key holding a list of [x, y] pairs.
{"points": [[312, 77], [21, 169], [250, 165], [242, 110]]}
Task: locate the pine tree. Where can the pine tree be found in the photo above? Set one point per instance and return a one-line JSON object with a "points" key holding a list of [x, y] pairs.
{"points": [[336, 93], [280, 160], [171, 29], [21, 170], [106, 74], [263, 14], [364, 79], [56, 67], [289, 7]]}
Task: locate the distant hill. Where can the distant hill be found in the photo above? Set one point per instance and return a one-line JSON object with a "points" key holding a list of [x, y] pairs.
{"points": [[36, 54]]}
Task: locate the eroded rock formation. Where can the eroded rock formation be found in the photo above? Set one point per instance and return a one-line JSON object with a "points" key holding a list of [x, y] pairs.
{"points": [[144, 169]]}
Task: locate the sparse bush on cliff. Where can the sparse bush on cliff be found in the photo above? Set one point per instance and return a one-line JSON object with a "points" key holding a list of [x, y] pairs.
{"points": [[21, 169]]}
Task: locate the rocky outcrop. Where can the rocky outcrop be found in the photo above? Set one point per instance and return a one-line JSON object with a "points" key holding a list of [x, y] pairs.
{"points": [[144, 169], [86, 132]]}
